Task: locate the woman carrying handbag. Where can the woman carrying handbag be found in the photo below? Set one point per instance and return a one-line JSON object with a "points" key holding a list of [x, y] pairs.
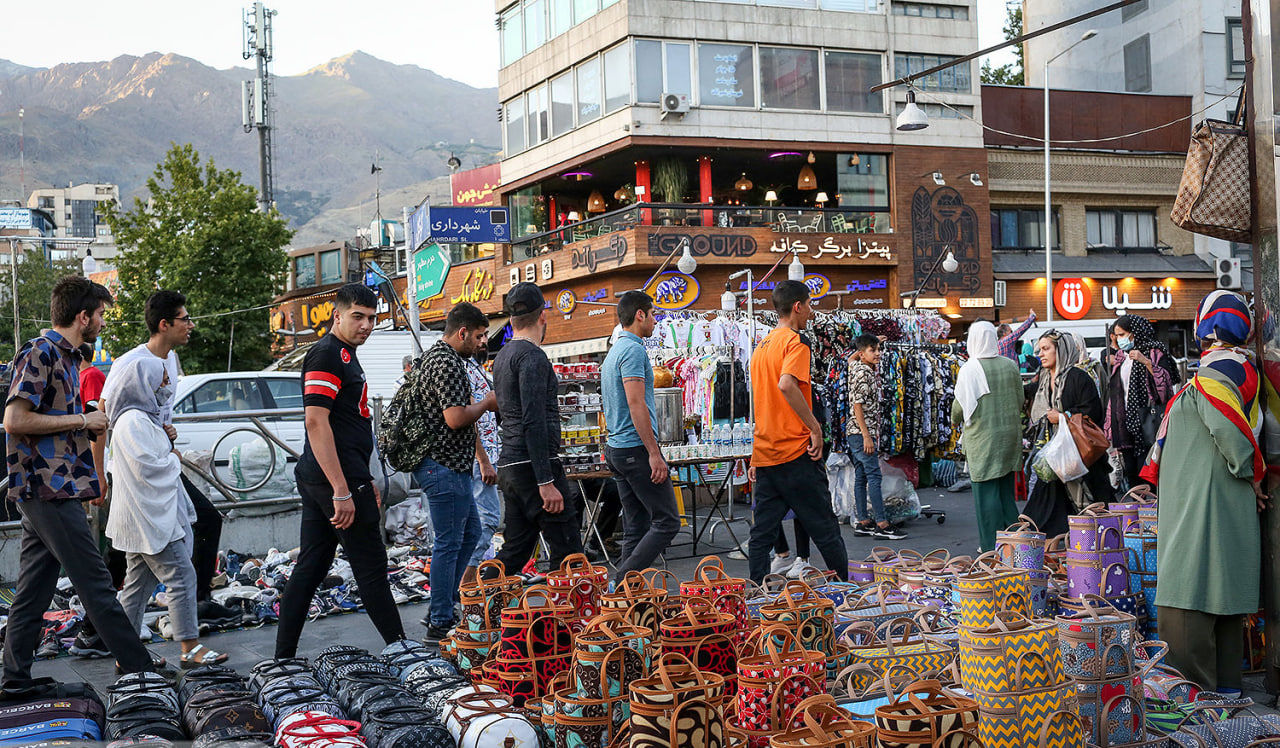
{"points": [[1143, 377]]}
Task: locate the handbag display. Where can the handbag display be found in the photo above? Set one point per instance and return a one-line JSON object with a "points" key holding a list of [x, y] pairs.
{"points": [[1214, 194], [727, 594], [775, 673], [636, 598], [1098, 643], [911, 650], [608, 656], [488, 721], [1091, 441], [1013, 650], [983, 592], [679, 706], [1021, 545], [579, 585], [823, 724], [1020, 716], [922, 714], [806, 613]]}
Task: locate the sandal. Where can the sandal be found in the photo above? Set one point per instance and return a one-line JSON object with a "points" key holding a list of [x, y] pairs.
{"points": [[188, 660], [157, 662]]}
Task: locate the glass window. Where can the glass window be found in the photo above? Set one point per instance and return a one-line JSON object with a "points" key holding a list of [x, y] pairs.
{"points": [[929, 10], [789, 3], [304, 271], [1120, 229], [331, 266], [1014, 228], [789, 78], [561, 16], [528, 209], [589, 103], [222, 395], [1137, 64], [850, 76], [679, 69], [648, 71], [514, 121], [1235, 48], [862, 180], [286, 392], [535, 24], [938, 111], [537, 115], [512, 36], [561, 104], [725, 75], [617, 78], [954, 78], [856, 6], [1129, 11], [584, 9]]}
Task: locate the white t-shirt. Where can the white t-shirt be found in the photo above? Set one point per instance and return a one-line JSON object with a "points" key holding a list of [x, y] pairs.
{"points": [[171, 366]]}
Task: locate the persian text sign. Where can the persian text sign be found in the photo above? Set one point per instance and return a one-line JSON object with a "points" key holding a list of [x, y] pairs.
{"points": [[453, 225]]}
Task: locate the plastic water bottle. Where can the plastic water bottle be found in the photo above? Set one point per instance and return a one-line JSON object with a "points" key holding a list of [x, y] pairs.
{"points": [[724, 441], [741, 439]]}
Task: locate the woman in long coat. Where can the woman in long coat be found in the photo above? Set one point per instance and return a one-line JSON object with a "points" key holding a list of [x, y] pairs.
{"points": [[1143, 378]]}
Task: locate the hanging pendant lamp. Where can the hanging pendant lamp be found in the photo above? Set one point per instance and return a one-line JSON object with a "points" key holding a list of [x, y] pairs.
{"points": [[595, 203], [807, 180], [743, 184]]}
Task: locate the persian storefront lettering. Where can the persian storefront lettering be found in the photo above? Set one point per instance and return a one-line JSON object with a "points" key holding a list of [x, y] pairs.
{"points": [[476, 287], [862, 250], [593, 257]]}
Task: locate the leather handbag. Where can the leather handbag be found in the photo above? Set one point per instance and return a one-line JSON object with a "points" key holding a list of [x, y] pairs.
{"points": [[1091, 441], [727, 594], [823, 724], [1213, 197], [579, 584], [679, 706], [921, 714]]}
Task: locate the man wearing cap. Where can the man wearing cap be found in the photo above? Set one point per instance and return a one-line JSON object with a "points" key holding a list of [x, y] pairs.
{"points": [[530, 475]]}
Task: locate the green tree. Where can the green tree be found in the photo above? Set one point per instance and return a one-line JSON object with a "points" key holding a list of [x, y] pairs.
{"points": [[199, 232], [1010, 74], [36, 276]]}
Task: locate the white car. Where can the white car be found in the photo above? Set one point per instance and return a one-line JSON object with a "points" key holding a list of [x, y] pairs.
{"points": [[229, 393]]}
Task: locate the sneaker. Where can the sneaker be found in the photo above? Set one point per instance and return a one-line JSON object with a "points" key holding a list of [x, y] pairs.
{"points": [[865, 531], [89, 647], [780, 564], [215, 615], [49, 645], [145, 633], [801, 568], [889, 533], [434, 635]]}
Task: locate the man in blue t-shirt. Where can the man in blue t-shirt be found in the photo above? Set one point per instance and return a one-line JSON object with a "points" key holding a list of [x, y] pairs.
{"points": [[649, 518]]}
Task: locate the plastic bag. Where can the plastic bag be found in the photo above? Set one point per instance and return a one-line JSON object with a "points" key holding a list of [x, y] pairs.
{"points": [[1060, 459], [901, 503], [840, 482]]}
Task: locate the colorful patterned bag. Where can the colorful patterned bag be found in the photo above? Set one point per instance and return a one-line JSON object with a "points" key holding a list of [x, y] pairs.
{"points": [[706, 637], [980, 594], [536, 644], [922, 714], [1018, 717], [580, 585], [679, 706], [637, 600], [1022, 545], [877, 605], [823, 724], [1104, 573], [1140, 548], [806, 613], [1095, 529], [1112, 709], [862, 702], [608, 656], [862, 572], [775, 673], [911, 650], [1097, 643], [889, 563], [1013, 650], [727, 594]]}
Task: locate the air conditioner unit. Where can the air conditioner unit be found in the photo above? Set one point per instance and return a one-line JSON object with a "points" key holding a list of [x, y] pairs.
{"points": [[1228, 272], [1001, 294], [673, 103]]}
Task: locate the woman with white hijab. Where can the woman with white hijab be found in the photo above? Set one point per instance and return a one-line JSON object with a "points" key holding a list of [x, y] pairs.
{"points": [[988, 410], [151, 515]]}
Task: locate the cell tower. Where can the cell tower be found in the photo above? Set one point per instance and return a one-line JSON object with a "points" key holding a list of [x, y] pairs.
{"points": [[255, 97]]}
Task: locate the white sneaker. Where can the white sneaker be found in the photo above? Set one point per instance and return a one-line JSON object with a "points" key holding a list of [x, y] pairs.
{"points": [[780, 564], [145, 633], [800, 569], [273, 559], [166, 627]]}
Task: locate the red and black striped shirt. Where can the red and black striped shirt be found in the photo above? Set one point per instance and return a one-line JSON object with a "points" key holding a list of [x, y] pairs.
{"points": [[332, 379]]}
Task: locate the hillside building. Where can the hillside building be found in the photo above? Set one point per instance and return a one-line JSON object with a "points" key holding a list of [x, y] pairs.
{"points": [[75, 212]]}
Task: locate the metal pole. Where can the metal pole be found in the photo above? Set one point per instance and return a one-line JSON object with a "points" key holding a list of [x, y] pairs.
{"points": [[13, 293], [22, 159], [411, 290], [231, 343], [1048, 211]]}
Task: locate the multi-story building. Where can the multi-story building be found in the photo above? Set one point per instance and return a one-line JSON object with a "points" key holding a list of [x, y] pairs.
{"points": [[75, 211], [1189, 48], [741, 133]]}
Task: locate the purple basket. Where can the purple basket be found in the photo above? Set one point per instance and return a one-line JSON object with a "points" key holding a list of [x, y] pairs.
{"points": [[1103, 573], [1099, 531]]}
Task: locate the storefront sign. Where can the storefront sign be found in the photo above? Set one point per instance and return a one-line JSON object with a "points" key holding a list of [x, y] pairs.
{"points": [[819, 285], [1113, 299], [477, 286], [927, 302], [673, 290], [430, 269], [977, 302], [701, 245], [614, 250], [476, 186], [1072, 298], [875, 285], [829, 247], [566, 302]]}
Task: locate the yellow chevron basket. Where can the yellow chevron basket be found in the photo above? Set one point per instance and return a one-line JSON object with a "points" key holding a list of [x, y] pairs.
{"points": [[1021, 718], [980, 594], [1013, 650]]}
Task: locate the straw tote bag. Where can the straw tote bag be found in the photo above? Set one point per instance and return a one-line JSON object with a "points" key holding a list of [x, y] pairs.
{"points": [[923, 713], [1213, 198]]}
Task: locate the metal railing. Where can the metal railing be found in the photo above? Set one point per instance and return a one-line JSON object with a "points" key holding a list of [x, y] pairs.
{"points": [[840, 220]]}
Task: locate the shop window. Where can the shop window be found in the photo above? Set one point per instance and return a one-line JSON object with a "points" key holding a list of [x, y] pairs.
{"points": [[1235, 48], [513, 118], [954, 79], [589, 103], [850, 76], [1021, 228], [512, 31], [789, 78], [463, 253], [1129, 11], [535, 24], [726, 75], [561, 105], [1120, 229], [1137, 64], [528, 211], [537, 115], [862, 180], [617, 78], [331, 266], [930, 10], [304, 271], [662, 67]]}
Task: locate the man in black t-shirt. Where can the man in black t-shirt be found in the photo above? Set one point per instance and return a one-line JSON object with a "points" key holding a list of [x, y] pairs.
{"points": [[339, 498]]}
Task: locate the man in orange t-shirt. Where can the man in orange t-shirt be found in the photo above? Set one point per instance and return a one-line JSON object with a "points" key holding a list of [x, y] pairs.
{"points": [[786, 459]]}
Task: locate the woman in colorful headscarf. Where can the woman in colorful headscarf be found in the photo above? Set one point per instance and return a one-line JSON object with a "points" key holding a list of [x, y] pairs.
{"points": [[988, 407], [1143, 377], [1064, 388], [1208, 468]]}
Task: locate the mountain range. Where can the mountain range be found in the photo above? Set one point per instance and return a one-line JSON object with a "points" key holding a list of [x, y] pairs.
{"points": [[113, 121]]}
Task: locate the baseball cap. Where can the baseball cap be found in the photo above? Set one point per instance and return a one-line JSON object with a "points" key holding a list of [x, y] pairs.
{"points": [[524, 298]]}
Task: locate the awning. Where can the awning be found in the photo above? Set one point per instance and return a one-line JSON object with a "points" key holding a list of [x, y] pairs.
{"points": [[495, 327], [576, 348]]}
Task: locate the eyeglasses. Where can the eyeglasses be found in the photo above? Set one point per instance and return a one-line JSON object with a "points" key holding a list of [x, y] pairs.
{"points": [[186, 319]]}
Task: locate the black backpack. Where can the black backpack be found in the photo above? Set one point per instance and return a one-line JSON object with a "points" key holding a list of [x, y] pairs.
{"points": [[402, 433]]}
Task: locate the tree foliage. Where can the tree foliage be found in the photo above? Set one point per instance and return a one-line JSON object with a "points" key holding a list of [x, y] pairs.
{"points": [[199, 232], [36, 276], [1009, 74]]}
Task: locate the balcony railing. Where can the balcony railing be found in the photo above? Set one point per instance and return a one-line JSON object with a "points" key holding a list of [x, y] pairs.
{"points": [[777, 219]]}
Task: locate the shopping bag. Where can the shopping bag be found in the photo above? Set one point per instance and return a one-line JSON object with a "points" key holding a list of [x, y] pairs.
{"points": [[1060, 459]]}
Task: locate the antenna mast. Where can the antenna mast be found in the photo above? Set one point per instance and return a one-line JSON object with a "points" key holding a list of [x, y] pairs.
{"points": [[255, 98]]}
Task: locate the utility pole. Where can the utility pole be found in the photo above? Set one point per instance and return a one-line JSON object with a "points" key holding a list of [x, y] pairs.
{"points": [[22, 156], [255, 96]]}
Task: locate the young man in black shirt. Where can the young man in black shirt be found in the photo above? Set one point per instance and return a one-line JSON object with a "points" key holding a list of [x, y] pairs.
{"points": [[339, 499], [529, 470]]}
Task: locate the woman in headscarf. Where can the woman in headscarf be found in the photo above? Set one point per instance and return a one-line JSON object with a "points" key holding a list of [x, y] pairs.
{"points": [[151, 515], [1066, 389], [1143, 375], [1207, 455], [1090, 365], [988, 408]]}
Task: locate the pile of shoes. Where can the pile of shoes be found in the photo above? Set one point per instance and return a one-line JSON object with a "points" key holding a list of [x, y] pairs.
{"points": [[143, 704], [217, 705], [70, 712]]}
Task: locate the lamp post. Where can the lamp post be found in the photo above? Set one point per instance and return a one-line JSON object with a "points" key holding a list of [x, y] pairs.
{"points": [[948, 263], [1048, 209]]}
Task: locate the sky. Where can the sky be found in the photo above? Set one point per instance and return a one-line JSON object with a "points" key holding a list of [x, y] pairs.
{"points": [[455, 38]]}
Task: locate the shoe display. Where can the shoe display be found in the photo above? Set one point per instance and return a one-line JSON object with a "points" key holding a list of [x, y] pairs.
{"points": [[216, 615], [89, 647]]}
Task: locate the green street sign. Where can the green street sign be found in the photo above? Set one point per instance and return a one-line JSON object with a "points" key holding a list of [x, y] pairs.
{"points": [[430, 268]]}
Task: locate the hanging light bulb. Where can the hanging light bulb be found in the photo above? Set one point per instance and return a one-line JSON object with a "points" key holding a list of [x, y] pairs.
{"points": [[949, 263], [743, 184], [90, 264], [912, 117], [687, 262], [811, 159], [595, 203], [728, 302], [854, 160], [795, 271]]}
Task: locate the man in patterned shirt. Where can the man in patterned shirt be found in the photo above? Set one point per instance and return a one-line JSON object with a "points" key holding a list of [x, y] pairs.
{"points": [[484, 476], [452, 447], [863, 432], [50, 466]]}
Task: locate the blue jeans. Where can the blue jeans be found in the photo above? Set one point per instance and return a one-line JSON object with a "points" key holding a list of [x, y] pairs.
{"points": [[489, 507], [457, 528], [866, 482]]}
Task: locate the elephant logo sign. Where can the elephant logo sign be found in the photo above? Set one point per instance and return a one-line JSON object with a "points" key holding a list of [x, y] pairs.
{"points": [[1072, 298], [673, 290]]}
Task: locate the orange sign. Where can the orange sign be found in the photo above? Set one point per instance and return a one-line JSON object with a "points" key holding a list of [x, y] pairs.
{"points": [[476, 186], [1072, 298]]}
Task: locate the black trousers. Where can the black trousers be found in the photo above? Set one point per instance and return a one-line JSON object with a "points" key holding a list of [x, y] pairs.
{"points": [[207, 530], [525, 518], [800, 486], [319, 541], [56, 535]]}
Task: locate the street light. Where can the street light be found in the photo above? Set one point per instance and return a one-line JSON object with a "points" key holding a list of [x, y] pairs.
{"points": [[795, 271], [949, 265], [1048, 208], [912, 117], [89, 265]]}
